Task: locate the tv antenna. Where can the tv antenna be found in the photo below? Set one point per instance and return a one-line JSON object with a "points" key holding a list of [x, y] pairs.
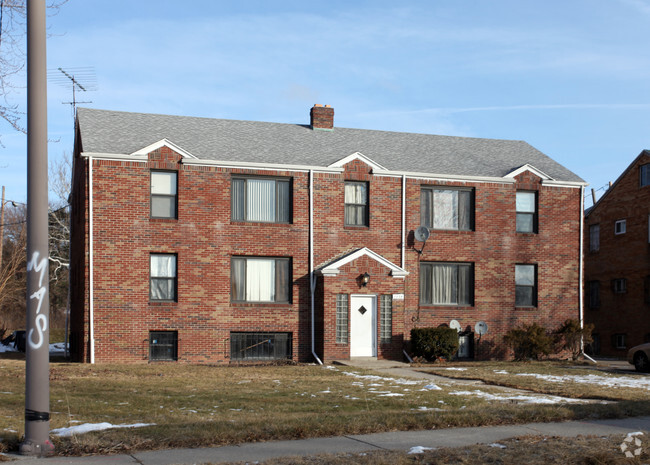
{"points": [[82, 80]]}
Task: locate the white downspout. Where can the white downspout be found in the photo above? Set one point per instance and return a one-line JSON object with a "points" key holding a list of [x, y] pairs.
{"points": [[91, 311], [312, 276], [581, 272]]}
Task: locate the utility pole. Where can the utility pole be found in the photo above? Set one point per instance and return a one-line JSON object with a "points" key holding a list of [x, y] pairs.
{"points": [[37, 369]]}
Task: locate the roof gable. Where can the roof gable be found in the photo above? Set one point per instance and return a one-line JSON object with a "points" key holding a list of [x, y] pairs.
{"points": [[356, 156], [522, 169], [164, 143], [333, 268]]}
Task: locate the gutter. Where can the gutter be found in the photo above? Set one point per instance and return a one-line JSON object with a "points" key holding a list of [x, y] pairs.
{"points": [[312, 275], [91, 311]]}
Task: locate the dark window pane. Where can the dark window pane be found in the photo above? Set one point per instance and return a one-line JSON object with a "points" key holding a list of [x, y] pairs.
{"points": [[524, 296]]}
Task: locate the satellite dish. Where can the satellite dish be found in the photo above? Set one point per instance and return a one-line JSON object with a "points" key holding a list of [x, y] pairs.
{"points": [[454, 324], [422, 233], [481, 328]]}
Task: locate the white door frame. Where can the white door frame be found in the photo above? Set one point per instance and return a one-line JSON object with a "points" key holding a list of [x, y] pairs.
{"points": [[363, 327]]}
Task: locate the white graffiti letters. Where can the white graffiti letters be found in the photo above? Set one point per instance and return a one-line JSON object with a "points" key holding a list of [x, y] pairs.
{"points": [[40, 321]]}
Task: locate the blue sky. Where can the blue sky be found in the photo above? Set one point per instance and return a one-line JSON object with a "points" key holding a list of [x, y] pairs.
{"points": [[570, 77]]}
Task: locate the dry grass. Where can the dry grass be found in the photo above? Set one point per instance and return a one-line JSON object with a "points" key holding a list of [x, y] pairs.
{"points": [[193, 406], [533, 450], [570, 386]]}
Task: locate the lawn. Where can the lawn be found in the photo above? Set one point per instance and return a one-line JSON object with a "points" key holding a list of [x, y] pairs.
{"points": [[192, 406]]}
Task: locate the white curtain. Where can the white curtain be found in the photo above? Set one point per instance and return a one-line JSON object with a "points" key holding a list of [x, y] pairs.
{"points": [[445, 209], [526, 202], [163, 270], [260, 280], [445, 284], [260, 200]]}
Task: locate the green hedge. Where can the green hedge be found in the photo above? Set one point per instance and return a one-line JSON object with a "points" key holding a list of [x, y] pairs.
{"points": [[432, 343]]}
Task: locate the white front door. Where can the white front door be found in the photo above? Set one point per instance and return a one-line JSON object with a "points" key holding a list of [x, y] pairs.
{"points": [[363, 326]]}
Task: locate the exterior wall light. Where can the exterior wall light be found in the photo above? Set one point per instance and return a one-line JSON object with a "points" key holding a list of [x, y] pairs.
{"points": [[365, 279]]}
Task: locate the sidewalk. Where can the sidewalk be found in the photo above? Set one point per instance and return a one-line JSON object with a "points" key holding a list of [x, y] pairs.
{"points": [[453, 437]]}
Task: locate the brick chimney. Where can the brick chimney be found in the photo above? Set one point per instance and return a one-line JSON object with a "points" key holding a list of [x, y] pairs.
{"points": [[322, 117]]}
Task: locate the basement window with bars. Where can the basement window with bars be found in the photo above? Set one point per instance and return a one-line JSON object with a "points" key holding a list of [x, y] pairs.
{"points": [[260, 346], [163, 346]]}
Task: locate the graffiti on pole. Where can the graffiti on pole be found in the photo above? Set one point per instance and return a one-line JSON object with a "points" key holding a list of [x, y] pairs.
{"points": [[40, 321]]}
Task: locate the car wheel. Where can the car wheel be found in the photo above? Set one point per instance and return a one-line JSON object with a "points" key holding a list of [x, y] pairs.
{"points": [[641, 362]]}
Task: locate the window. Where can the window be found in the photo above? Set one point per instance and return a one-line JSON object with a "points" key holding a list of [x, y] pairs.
{"points": [[644, 172], [261, 200], [526, 212], [525, 286], [260, 346], [163, 277], [356, 203], [260, 279], [594, 238], [163, 345], [594, 294], [163, 194], [386, 318], [620, 227], [446, 284], [446, 208], [619, 286], [342, 318], [618, 341]]}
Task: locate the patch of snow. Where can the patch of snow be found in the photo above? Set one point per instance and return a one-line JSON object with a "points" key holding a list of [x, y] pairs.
{"points": [[501, 372], [532, 399], [608, 381], [456, 369], [431, 387], [418, 450], [88, 427], [496, 444], [391, 394], [638, 433]]}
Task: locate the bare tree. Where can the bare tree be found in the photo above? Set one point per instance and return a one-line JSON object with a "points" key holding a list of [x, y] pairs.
{"points": [[13, 20], [13, 269], [59, 219]]}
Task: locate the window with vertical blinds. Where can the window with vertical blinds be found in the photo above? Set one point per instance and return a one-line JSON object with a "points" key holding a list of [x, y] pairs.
{"points": [[261, 200]]}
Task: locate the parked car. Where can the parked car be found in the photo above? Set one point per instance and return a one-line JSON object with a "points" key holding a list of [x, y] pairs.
{"points": [[639, 356]]}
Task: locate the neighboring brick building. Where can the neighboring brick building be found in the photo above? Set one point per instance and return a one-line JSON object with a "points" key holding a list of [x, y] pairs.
{"points": [[213, 241], [617, 262]]}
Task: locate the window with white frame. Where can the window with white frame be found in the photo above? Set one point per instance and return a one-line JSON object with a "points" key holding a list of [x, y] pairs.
{"points": [[619, 286], [260, 279], [342, 318], [261, 200], [526, 205], [386, 318], [162, 274], [644, 175], [447, 208], [594, 238], [446, 283], [525, 285], [356, 203], [164, 199], [620, 227]]}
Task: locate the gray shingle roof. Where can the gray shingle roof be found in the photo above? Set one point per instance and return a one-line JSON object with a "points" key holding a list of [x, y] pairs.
{"points": [[114, 132]]}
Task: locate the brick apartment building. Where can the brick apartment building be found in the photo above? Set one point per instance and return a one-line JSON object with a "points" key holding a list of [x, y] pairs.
{"points": [[617, 262], [216, 241]]}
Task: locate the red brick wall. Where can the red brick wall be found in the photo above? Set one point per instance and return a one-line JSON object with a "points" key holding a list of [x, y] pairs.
{"points": [[204, 238], [620, 256]]}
